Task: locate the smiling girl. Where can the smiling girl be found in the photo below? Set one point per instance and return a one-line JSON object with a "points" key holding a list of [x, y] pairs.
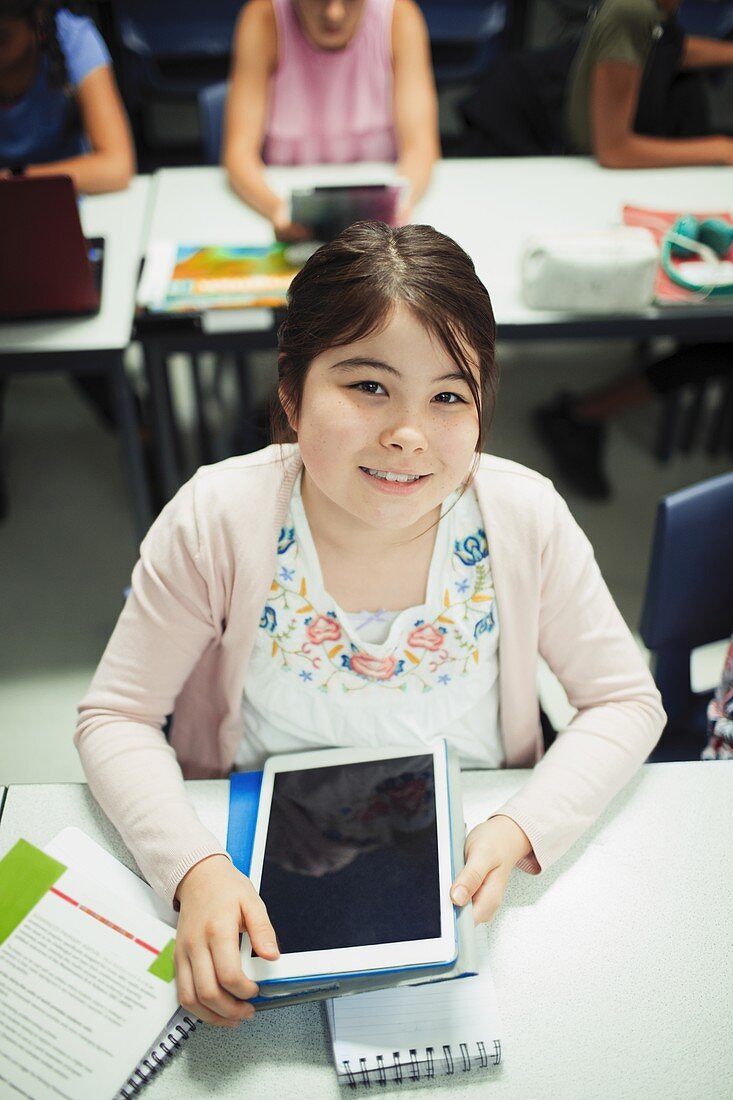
{"points": [[373, 580]]}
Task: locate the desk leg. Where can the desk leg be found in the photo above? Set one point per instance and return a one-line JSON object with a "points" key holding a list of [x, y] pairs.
{"points": [[131, 448], [204, 436], [162, 421]]}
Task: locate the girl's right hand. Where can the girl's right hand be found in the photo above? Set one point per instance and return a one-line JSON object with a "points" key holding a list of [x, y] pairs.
{"points": [[217, 903], [286, 231]]}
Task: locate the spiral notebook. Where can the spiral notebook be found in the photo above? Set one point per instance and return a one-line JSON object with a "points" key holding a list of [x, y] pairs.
{"points": [[413, 1033]]}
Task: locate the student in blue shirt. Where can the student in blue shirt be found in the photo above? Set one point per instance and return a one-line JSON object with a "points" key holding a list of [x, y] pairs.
{"points": [[60, 109], [60, 113]]}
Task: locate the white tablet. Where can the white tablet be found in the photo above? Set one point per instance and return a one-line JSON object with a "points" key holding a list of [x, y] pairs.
{"points": [[353, 857]]}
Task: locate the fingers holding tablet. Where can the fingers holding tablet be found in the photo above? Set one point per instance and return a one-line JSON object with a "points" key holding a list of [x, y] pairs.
{"points": [[217, 903], [492, 850]]}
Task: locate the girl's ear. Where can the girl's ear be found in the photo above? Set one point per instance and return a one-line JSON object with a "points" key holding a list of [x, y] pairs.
{"points": [[288, 409]]}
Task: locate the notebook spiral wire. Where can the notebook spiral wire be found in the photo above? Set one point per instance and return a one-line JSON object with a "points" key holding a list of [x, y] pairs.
{"points": [[150, 1066], [402, 1069]]}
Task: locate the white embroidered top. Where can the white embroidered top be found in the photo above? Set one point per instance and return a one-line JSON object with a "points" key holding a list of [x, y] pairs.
{"points": [[322, 677]]}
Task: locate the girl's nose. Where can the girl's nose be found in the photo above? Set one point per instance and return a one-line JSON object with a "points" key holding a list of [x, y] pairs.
{"points": [[406, 435]]}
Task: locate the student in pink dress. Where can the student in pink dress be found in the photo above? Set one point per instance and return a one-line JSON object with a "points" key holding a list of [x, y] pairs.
{"points": [[329, 82]]}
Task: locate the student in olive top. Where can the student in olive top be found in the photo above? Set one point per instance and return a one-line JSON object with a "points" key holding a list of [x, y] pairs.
{"points": [[635, 99]]}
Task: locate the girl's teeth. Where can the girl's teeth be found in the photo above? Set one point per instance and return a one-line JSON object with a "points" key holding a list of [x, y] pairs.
{"points": [[393, 477]]}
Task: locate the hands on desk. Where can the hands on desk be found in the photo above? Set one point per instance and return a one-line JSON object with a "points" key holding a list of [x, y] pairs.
{"points": [[217, 903], [286, 231], [492, 850]]}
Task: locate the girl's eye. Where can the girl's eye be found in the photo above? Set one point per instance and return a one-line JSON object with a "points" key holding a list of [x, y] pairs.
{"points": [[369, 387], [449, 399]]}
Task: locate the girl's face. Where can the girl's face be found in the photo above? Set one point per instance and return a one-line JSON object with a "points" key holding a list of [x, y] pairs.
{"points": [[329, 24], [393, 403]]}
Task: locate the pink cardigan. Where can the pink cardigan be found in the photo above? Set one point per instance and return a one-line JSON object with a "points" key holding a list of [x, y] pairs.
{"points": [[184, 637]]}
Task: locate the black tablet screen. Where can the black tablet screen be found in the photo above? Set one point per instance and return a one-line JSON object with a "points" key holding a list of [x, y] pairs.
{"points": [[351, 855]]}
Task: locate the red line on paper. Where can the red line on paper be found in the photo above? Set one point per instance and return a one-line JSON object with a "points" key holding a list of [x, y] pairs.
{"points": [[64, 896], [109, 923], [148, 947]]}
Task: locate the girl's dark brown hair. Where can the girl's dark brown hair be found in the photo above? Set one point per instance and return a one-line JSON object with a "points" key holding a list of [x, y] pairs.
{"points": [[348, 289]]}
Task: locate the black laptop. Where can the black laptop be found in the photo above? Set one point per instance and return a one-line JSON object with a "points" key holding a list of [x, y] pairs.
{"points": [[47, 267]]}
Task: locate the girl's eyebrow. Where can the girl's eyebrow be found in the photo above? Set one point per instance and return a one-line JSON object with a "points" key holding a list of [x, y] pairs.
{"points": [[358, 362]]}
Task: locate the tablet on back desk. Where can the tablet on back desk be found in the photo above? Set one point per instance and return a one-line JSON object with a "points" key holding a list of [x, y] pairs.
{"points": [[45, 266]]}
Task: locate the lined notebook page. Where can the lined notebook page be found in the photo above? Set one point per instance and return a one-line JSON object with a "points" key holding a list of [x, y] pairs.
{"points": [[447, 1026]]}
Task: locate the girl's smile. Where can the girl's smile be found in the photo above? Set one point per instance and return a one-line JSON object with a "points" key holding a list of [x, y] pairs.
{"points": [[394, 481]]}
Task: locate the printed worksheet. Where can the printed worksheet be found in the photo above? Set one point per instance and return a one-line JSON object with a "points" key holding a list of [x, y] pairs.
{"points": [[86, 981]]}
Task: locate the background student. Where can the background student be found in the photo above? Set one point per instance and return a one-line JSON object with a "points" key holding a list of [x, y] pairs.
{"points": [[60, 110], [628, 90], [60, 113], [326, 82], [633, 100], [379, 581]]}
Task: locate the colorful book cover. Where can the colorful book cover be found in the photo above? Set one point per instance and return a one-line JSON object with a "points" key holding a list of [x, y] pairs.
{"points": [[228, 277], [659, 222]]}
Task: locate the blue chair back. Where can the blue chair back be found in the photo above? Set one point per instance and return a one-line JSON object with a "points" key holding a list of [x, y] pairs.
{"points": [[464, 35], [707, 18], [211, 116], [689, 599], [179, 28]]}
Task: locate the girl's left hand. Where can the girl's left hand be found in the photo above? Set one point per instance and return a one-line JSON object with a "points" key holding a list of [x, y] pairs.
{"points": [[492, 850]]}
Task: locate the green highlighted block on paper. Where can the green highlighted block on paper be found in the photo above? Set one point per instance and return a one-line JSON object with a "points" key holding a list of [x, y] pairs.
{"points": [[163, 967], [26, 875]]}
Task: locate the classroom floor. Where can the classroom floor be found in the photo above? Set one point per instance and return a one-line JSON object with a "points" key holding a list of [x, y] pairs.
{"points": [[67, 546]]}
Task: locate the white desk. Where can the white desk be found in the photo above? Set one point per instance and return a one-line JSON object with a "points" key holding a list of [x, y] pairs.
{"points": [[121, 218], [97, 343], [197, 205], [489, 206], [613, 970]]}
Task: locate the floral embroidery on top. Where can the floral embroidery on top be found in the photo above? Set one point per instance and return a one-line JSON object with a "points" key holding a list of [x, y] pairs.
{"points": [[311, 641], [285, 540], [472, 549]]}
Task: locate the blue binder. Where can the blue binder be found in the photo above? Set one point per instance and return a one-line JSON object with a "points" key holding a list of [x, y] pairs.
{"points": [[244, 800]]}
